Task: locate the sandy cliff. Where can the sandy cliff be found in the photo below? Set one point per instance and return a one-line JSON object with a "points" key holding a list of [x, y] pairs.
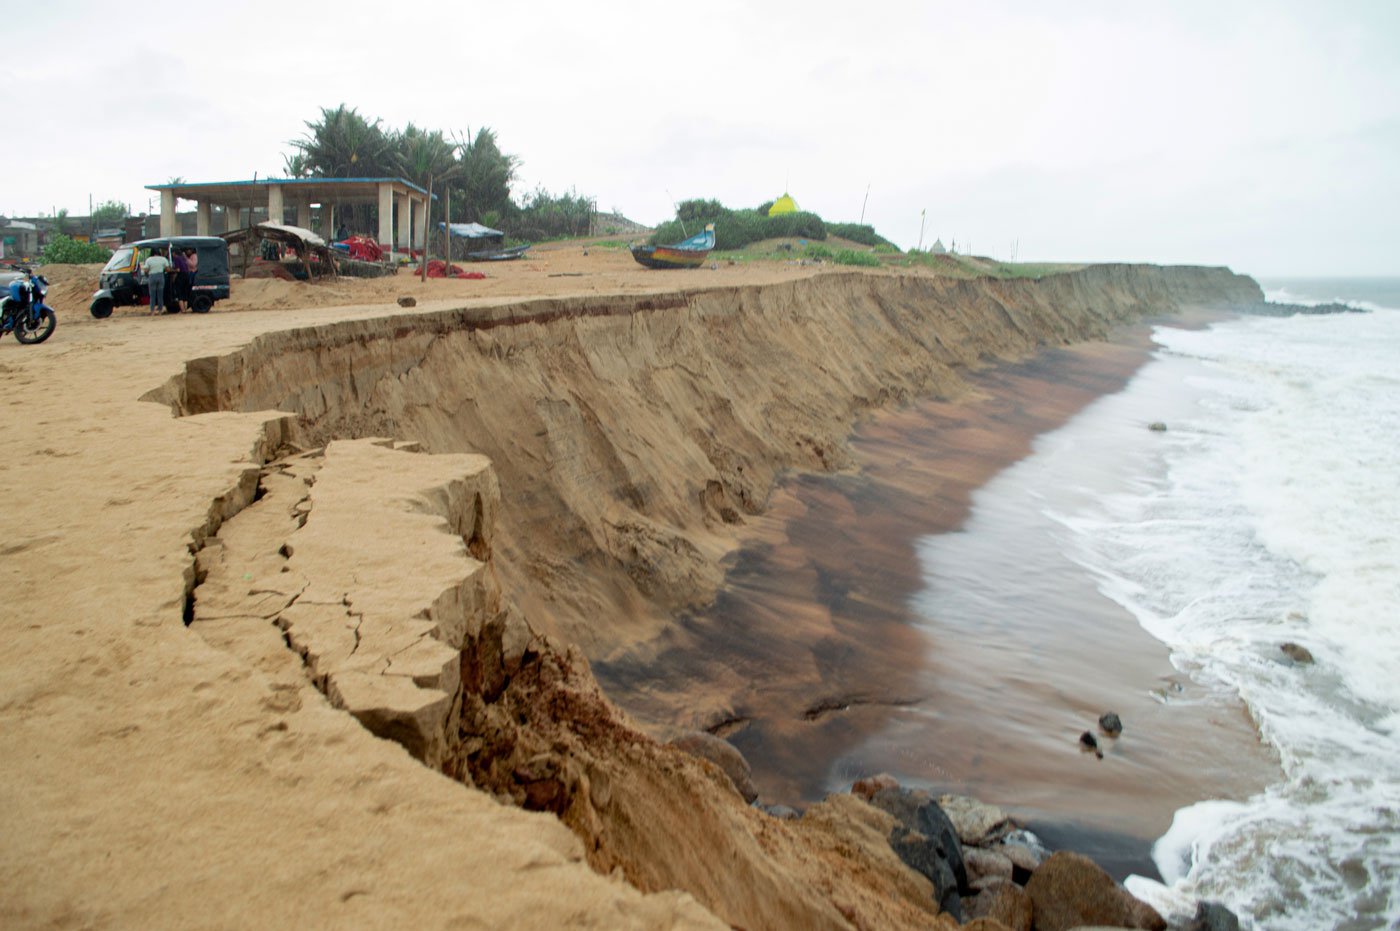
{"points": [[632, 435], [209, 775]]}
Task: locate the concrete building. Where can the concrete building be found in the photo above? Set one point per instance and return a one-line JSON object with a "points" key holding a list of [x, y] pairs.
{"points": [[19, 239], [312, 202]]}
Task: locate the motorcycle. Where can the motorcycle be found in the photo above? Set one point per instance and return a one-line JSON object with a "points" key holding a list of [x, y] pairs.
{"points": [[23, 309]]}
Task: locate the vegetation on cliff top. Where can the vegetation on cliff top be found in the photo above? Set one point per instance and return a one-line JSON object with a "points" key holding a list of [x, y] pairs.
{"points": [[737, 228]]}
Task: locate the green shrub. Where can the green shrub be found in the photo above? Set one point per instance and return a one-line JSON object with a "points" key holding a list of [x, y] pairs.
{"points": [[819, 252], [703, 211], [63, 250], [543, 215], [735, 229], [852, 257]]}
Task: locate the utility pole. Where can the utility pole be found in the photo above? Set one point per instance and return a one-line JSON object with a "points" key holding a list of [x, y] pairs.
{"points": [[427, 222], [920, 247], [863, 203]]}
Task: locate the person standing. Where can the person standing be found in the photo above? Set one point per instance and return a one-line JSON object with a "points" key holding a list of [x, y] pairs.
{"points": [[176, 284], [155, 267]]}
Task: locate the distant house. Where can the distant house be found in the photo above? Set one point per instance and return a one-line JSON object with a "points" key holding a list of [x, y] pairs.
{"points": [[19, 239]]}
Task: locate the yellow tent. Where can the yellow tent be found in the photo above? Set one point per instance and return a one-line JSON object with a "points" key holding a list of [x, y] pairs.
{"points": [[784, 204]]}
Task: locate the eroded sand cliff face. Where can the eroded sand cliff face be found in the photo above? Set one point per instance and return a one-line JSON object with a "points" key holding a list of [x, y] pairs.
{"points": [[449, 603], [631, 436]]}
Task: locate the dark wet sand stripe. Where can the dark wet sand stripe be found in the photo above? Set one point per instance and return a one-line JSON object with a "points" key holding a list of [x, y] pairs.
{"points": [[811, 652]]}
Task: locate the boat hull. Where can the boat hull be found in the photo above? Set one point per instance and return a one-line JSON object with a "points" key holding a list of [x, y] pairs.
{"points": [[668, 257], [498, 255]]}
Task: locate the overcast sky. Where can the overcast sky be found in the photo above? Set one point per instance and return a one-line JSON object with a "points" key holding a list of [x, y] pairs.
{"points": [[1264, 135]]}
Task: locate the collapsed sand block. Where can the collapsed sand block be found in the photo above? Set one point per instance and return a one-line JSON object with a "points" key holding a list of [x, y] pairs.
{"points": [[394, 708], [382, 627]]}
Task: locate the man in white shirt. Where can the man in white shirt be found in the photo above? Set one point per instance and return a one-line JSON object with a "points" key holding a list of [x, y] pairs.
{"points": [[155, 268]]}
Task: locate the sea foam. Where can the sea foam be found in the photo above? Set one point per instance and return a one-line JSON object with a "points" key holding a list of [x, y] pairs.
{"points": [[1274, 517]]}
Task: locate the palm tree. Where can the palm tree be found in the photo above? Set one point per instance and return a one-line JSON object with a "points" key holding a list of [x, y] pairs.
{"points": [[344, 144], [296, 166], [420, 155], [486, 175]]}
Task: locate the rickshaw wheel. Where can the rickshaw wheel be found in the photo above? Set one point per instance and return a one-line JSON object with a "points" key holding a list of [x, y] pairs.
{"points": [[201, 303], [102, 309]]}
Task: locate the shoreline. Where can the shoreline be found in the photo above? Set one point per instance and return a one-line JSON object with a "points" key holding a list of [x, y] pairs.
{"points": [[816, 610]]}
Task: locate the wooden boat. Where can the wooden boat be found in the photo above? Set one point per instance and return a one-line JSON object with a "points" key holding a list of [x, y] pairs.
{"points": [[689, 253], [498, 255]]}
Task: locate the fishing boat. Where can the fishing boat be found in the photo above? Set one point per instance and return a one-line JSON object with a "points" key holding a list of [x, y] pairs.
{"points": [[689, 253], [499, 255], [483, 244]]}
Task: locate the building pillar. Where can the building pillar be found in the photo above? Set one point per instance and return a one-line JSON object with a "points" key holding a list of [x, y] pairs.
{"points": [[386, 215], [405, 233], [304, 215], [275, 208], [167, 213], [231, 219], [203, 217], [327, 222]]}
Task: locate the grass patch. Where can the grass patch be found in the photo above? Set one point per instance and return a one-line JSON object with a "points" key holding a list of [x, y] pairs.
{"points": [[852, 257], [972, 266], [861, 233]]}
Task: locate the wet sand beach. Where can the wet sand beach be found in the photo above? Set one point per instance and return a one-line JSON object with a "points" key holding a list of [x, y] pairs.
{"points": [[831, 674]]}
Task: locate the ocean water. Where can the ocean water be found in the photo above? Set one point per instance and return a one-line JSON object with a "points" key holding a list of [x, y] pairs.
{"points": [[1269, 513]]}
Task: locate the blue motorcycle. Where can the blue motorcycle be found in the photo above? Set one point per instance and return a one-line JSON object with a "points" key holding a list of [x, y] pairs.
{"points": [[23, 309]]}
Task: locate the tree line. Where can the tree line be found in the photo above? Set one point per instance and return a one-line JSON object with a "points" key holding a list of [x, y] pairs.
{"points": [[469, 173]]}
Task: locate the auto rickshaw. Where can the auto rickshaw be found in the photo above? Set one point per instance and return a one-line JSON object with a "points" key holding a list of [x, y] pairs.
{"points": [[122, 282]]}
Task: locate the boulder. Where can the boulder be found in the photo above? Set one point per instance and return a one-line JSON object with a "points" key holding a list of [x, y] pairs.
{"points": [[985, 863], [976, 823], [1157, 426], [1090, 744], [1004, 903], [1298, 653], [1070, 891], [918, 812], [1025, 850], [1110, 723], [986, 924], [927, 858], [723, 754], [1212, 916], [867, 787], [781, 812], [926, 840], [407, 301]]}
